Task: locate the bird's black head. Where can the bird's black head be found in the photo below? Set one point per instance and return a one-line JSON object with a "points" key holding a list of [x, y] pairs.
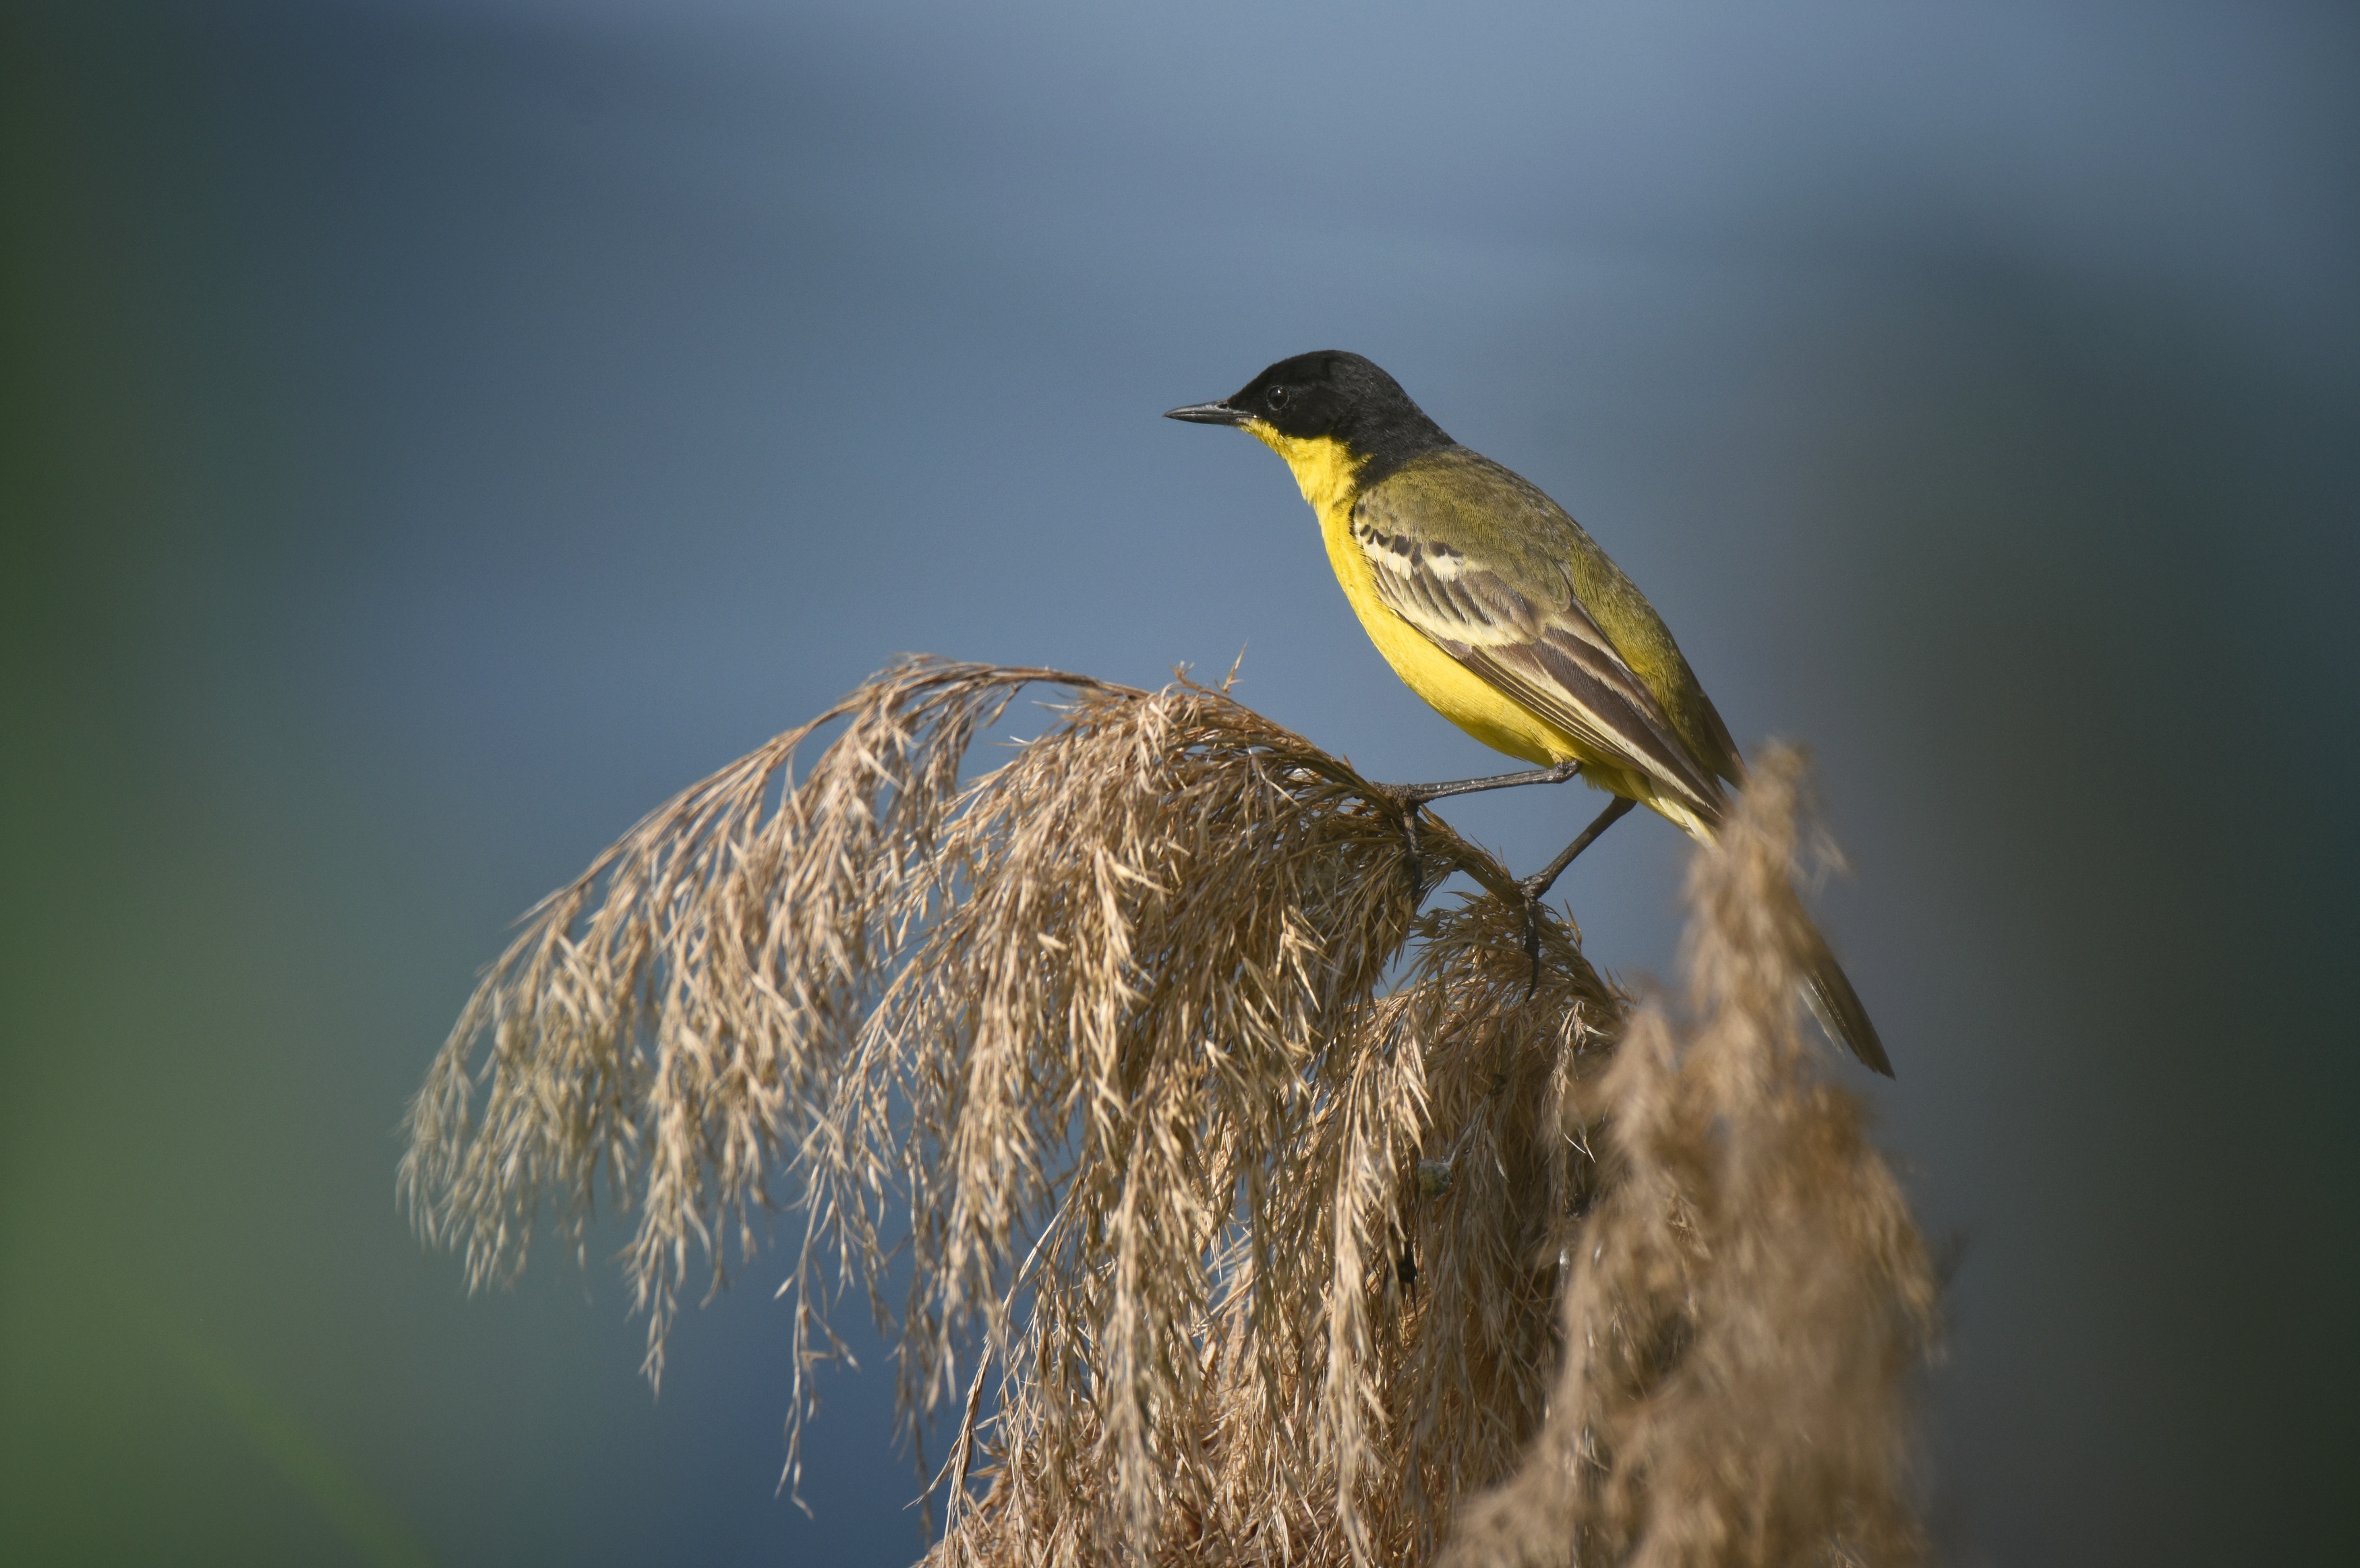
{"points": [[1328, 396]]}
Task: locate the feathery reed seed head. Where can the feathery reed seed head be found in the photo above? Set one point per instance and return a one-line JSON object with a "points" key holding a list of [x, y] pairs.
{"points": [[1260, 1263]]}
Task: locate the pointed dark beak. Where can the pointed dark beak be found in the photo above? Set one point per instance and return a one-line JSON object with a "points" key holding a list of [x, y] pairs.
{"points": [[1206, 414]]}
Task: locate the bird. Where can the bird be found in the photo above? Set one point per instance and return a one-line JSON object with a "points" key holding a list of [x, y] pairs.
{"points": [[1496, 607]]}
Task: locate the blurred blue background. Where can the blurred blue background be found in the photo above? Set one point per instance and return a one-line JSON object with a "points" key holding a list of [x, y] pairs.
{"points": [[435, 432]]}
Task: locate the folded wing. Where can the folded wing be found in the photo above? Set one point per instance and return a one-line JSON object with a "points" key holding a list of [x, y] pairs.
{"points": [[1513, 619]]}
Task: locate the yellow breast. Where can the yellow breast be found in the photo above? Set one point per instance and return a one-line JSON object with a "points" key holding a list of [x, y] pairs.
{"points": [[1325, 470]]}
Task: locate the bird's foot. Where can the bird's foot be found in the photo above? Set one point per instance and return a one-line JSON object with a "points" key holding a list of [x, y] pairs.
{"points": [[1410, 856], [1533, 888]]}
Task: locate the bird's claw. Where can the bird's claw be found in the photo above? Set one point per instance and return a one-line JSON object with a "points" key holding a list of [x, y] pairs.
{"points": [[1531, 938], [1416, 861], [1411, 803]]}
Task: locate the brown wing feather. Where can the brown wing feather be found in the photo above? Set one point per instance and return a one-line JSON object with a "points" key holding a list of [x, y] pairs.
{"points": [[1558, 678], [1552, 659]]}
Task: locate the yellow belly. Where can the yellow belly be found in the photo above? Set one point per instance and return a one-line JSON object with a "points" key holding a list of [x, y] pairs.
{"points": [[1455, 692], [1326, 474]]}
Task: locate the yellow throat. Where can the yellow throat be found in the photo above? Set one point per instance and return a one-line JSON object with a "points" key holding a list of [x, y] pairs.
{"points": [[1324, 468]]}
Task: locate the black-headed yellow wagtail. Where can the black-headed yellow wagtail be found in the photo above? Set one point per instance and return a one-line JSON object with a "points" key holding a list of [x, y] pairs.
{"points": [[1497, 608]]}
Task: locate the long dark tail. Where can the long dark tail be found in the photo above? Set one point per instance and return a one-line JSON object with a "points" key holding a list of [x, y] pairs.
{"points": [[1838, 1006]]}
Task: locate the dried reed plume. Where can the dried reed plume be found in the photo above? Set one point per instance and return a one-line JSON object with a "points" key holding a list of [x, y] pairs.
{"points": [[1221, 1248]]}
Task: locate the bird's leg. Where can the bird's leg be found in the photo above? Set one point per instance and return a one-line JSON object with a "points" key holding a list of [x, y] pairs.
{"points": [[1419, 794], [1539, 882], [1411, 798]]}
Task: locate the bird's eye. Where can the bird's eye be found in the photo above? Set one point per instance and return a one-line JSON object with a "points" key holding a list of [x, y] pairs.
{"points": [[1275, 397]]}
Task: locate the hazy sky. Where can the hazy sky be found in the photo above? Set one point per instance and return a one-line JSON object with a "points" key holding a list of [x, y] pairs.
{"points": [[436, 432]]}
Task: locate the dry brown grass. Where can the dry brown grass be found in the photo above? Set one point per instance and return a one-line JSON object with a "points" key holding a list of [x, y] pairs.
{"points": [[1220, 1247]]}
